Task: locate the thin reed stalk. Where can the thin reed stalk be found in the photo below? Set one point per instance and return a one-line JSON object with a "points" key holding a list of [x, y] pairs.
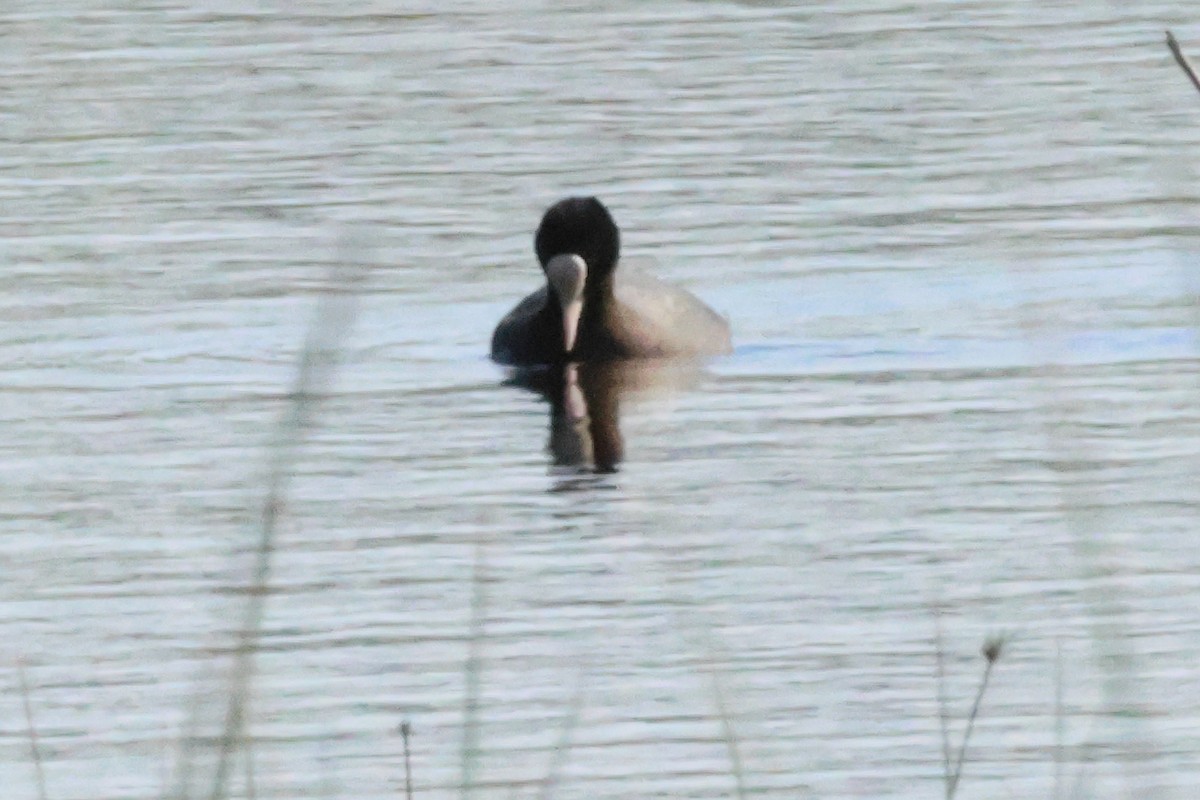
{"points": [[562, 747], [335, 312], [35, 750], [728, 734], [251, 793], [1060, 720], [943, 712], [469, 755]]}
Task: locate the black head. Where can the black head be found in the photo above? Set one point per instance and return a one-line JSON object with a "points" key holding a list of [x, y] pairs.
{"points": [[583, 226]]}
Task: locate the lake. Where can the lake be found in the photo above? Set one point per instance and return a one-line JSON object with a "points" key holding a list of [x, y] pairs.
{"points": [[956, 242]]}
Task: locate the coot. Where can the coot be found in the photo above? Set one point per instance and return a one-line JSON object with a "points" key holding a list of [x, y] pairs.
{"points": [[590, 311]]}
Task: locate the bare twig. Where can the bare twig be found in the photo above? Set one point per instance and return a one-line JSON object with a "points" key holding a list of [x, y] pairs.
{"points": [[1182, 60], [34, 751]]}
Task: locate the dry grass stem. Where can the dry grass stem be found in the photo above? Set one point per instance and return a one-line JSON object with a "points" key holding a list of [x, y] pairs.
{"points": [[991, 651], [405, 733]]}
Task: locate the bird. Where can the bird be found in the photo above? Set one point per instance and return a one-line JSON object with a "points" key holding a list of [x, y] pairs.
{"points": [[589, 311]]}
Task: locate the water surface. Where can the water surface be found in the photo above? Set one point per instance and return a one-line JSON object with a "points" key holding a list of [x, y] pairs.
{"points": [[956, 242]]}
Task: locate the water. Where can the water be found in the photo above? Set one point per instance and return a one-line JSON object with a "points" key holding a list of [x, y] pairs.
{"points": [[956, 242]]}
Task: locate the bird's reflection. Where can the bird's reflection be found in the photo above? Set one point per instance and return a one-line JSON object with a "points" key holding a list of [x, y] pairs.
{"points": [[585, 403]]}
